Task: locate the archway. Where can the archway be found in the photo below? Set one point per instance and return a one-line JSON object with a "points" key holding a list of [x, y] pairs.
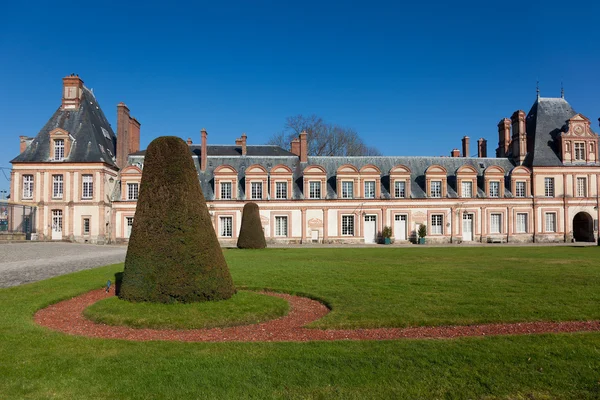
{"points": [[583, 227]]}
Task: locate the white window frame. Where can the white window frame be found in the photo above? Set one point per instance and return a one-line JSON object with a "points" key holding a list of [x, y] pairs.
{"points": [[128, 226], [437, 224], [314, 189], [520, 189], [347, 225], [495, 223], [281, 190], [400, 189], [549, 187], [226, 189], [133, 191], [281, 226], [436, 189], [550, 222], [256, 190], [347, 189], [59, 149], [28, 186], [87, 186], [579, 151], [86, 232], [467, 189], [494, 189], [581, 186], [226, 226], [521, 222], [57, 186], [369, 187]]}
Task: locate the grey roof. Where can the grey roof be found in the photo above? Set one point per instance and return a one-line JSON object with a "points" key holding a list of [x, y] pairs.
{"points": [[92, 135], [228, 150], [546, 120]]}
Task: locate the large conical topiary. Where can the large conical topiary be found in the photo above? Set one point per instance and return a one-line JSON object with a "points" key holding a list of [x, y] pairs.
{"points": [[252, 235], [173, 253]]}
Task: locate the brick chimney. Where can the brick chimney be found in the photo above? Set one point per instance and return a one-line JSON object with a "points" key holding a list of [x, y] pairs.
{"points": [[243, 143], [134, 136], [123, 126], [189, 141], [295, 147], [72, 92], [482, 148], [455, 153], [203, 151], [503, 137], [519, 136], [465, 146], [303, 147], [24, 141]]}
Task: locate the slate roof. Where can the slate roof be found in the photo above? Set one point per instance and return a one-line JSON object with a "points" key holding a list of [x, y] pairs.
{"points": [[545, 122], [227, 150], [92, 135]]}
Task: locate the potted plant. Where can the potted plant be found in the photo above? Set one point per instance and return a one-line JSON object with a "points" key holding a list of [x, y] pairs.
{"points": [[386, 233], [422, 233]]}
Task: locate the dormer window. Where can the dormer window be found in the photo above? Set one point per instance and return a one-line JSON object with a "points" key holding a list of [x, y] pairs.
{"points": [[59, 149], [579, 148], [494, 189], [436, 189]]}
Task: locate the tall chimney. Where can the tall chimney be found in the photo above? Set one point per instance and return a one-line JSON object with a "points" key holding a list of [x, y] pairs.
{"points": [[72, 92], [134, 136], [295, 147], [465, 146], [244, 150], [519, 136], [455, 153], [189, 141], [303, 147], [503, 137], [482, 148], [24, 141], [123, 126], [203, 135]]}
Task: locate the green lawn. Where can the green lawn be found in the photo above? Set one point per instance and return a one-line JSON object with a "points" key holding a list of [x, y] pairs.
{"points": [[365, 288]]}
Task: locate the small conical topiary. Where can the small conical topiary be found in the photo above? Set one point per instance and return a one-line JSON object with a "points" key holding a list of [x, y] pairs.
{"points": [[252, 235], [173, 253]]}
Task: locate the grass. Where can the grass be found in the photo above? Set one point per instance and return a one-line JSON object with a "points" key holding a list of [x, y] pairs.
{"points": [[365, 287], [242, 309]]}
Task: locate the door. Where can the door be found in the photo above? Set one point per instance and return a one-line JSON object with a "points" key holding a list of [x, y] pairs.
{"points": [[314, 235], [400, 227], [467, 227], [129, 222], [370, 228], [57, 223]]}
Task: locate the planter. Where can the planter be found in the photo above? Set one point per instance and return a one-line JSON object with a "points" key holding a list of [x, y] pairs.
{"points": [[387, 241], [422, 240]]}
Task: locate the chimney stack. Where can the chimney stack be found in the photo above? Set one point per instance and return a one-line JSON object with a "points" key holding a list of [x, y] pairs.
{"points": [[123, 126], [189, 141], [519, 136], [455, 153], [24, 141], [244, 150], [203, 135], [482, 148], [72, 92], [295, 147], [303, 147], [465, 146], [503, 137], [134, 136]]}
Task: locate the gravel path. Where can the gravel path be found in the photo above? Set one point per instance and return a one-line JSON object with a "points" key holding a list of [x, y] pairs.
{"points": [[34, 261], [67, 316]]}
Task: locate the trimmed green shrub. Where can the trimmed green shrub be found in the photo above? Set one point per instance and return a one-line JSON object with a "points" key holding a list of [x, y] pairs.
{"points": [[252, 235], [173, 253]]}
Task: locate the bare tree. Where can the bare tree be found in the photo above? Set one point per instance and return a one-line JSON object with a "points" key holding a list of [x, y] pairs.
{"points": [[324, 139]]}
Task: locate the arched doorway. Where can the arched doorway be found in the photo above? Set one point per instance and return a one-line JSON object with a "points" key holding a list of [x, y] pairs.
{"points": [[583, 227]]}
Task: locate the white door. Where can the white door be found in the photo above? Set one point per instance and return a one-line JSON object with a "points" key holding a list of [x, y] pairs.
{"points": [[467, 227], [57, 223], [400, 227], [370, 228], [314, 234], [129, 222]]}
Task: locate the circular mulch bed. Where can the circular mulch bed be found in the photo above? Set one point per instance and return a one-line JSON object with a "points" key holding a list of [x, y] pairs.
{"points": [[67, 316]]}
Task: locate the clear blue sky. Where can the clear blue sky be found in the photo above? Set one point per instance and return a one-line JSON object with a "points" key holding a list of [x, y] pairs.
{"points": [[411, 79]]}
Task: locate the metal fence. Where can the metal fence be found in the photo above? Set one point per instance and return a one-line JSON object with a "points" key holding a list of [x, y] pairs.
{"points": [[17, 219]]}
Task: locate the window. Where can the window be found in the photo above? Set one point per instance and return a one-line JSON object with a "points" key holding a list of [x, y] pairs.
{"points": [[467, 189], [281, 226], [520, 189], [57, 186], [87, 190], [436, 188], [437, 227], [281, 190], [128, 226], [496, 223], [59, 149], [369, 189], [521, 222], [225, 190], [550, 222], [256, 191], [27, 186], [579, 151], [86, 226], [314, 190], [400, 189], [581, 187], [549, 187], [348, 225], [494, 189], [226, 226], [347, 190], [132, 191]]}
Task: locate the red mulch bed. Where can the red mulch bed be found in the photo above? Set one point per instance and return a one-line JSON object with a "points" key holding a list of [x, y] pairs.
{"points": [[67, 316]]}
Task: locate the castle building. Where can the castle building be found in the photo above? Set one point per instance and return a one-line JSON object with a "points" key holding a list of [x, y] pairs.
{"points": [[543, 185]]}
